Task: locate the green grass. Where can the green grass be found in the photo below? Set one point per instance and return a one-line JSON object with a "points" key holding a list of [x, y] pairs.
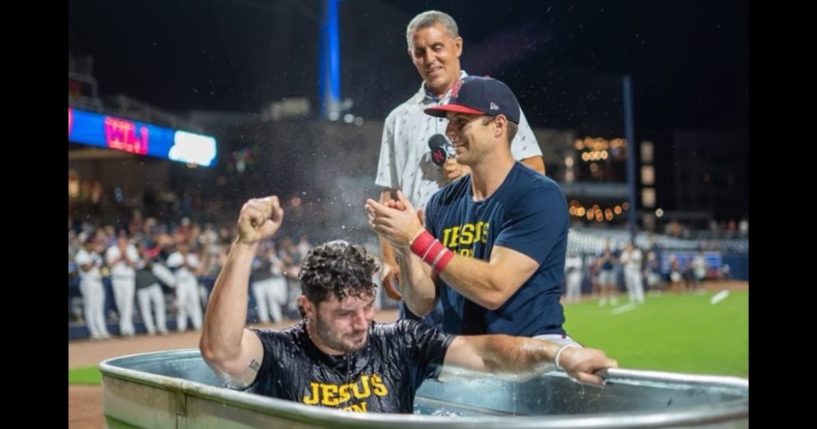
{"points": [[85, 375], [676, 333]]}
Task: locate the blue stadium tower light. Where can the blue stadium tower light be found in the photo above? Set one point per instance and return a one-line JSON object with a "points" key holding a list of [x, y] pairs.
{"points": [[329, 64]]}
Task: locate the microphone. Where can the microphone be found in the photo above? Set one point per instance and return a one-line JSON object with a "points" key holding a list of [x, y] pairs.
{"points": [[441, 149]]}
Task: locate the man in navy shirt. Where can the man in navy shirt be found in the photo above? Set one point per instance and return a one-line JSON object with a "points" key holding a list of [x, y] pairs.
{"points": [[337, 356], [494, 243]]}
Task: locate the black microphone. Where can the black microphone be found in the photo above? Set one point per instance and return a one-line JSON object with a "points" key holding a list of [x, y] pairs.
{"points": [[441, 149]]}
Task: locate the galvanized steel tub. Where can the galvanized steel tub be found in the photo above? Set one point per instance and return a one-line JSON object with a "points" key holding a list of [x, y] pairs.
{"points": [[176, 389]]}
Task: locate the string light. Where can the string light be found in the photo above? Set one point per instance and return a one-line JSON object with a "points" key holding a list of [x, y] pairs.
{"points": [[598, 149], [596, 212]]}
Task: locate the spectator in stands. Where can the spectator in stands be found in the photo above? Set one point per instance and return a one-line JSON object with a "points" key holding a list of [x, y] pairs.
{"points": [[652, 271], [676, 274], [631, 260], [725, 272], [698, 267], [573, 277], [269, 286], [303, 246], [123, 258], [188, 301], [89, 260], [607, 275], [150, 296], [593, 271]]}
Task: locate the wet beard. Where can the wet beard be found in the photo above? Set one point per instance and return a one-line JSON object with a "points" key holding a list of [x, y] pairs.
{"points": [[336, 342]]}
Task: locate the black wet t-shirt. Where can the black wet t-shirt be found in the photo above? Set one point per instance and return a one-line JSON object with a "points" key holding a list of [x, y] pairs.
{"points": [[382, 377]]}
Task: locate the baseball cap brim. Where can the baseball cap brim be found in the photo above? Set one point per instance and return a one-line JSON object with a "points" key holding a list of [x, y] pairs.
{"points": [[440, 111]]}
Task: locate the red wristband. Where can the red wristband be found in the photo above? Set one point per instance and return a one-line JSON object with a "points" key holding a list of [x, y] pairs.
{"points": [[443, 260], [420, 244], [431, 251]]}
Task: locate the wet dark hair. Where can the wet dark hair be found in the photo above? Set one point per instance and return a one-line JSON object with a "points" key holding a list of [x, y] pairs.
{"points": [[337, 267]]}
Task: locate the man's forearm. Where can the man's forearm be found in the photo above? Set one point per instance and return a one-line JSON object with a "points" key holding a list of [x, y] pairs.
{"points": [[503, 353], [416, 284], [227, 310], [387, 254], [475, 280], [488, 284]]}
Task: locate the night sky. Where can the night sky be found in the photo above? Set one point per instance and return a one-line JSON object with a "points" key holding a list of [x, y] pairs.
{"points": [[688, 59]]}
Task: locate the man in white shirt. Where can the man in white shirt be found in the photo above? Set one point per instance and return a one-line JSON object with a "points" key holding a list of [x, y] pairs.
{"points": [[184, 263], [90, 284], [573, 277], [631, 260], [123, 258]]}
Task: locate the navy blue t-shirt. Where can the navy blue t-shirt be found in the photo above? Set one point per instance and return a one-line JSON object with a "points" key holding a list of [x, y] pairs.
{"points": [[528, 214], [381, 377]]}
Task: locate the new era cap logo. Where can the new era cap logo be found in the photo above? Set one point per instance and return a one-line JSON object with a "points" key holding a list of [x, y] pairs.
{"points": [[494, 106]]}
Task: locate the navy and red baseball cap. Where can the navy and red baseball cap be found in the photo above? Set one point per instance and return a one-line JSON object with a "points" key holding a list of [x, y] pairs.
{"points": [[477, 95]]}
